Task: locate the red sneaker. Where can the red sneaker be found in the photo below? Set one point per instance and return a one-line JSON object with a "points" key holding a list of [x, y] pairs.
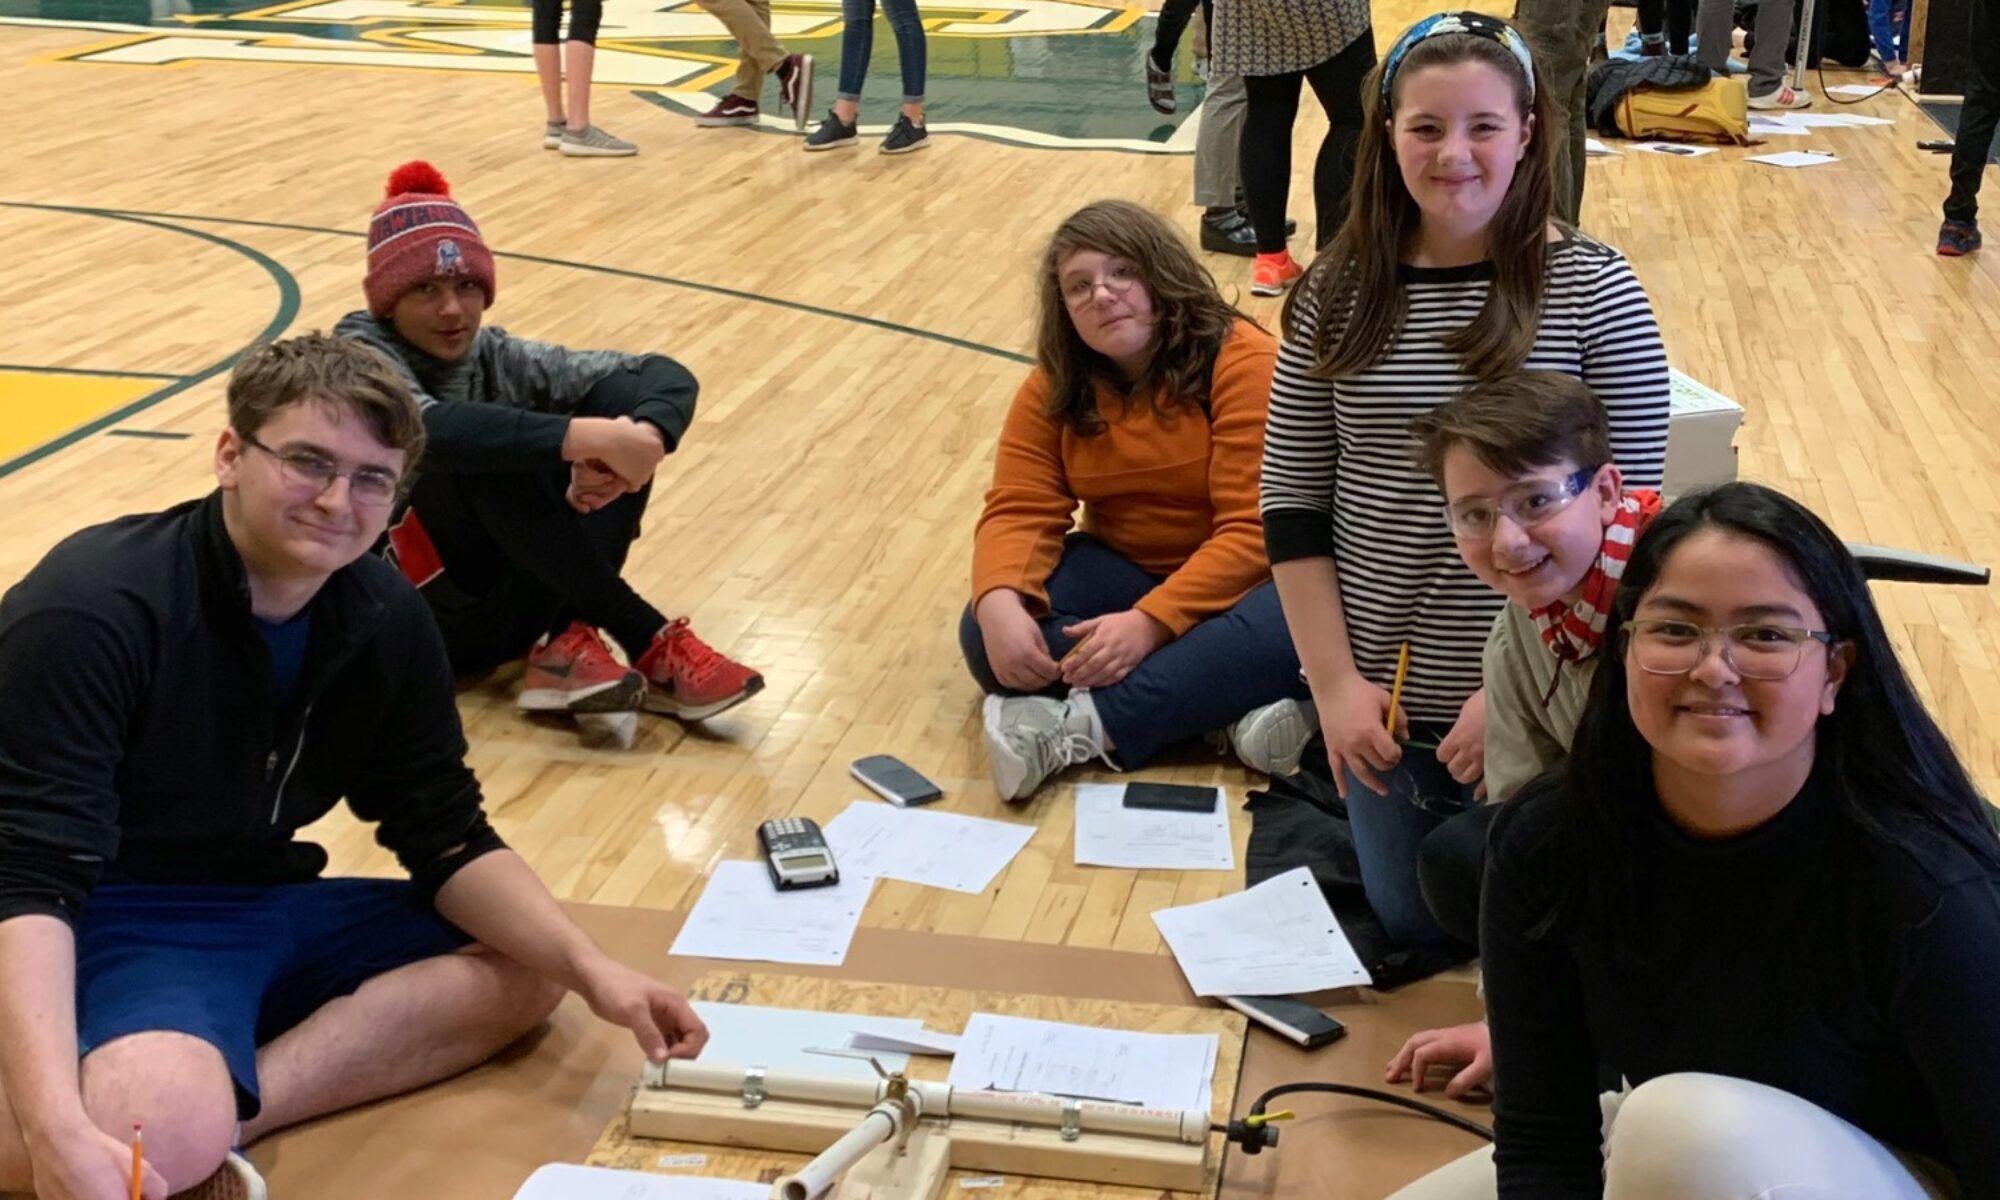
{"points": [[576, 672], [686, 678]]}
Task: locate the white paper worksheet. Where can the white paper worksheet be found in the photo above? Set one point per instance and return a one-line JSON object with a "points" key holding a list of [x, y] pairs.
{"points": [[936, 849], [566, 1181], [1763, 126], [785, 1039], [1806, 120], [1795, 158], [1276, 939], [742, 915], [1110, 835], [1153, 1070]]}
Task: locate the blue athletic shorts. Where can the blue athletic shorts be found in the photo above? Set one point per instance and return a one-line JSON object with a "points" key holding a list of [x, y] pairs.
{"points": [[237, 966]]}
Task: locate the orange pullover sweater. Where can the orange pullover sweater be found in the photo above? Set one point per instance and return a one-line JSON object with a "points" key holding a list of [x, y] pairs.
{"points": [[1176, 495]]}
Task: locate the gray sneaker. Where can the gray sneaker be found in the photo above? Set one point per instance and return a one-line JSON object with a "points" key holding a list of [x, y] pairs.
{"points": [[1029, 738], [552, 135], [1273, 738], [593, 142]]}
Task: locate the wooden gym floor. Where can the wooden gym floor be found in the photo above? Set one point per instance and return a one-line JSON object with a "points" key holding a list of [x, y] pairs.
{"points": [[184, 180]]}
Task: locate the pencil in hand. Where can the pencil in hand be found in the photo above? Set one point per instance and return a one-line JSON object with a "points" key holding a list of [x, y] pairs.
{"points": [[138, 1160], [1396, 693]]}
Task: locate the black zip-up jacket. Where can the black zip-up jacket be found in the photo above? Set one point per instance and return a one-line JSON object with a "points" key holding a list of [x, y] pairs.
{"points": [[141, 738]]}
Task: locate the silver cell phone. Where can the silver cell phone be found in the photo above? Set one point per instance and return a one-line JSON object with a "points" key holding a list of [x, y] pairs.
{"points": [[1288, 1018], [894, 780], [797, 853]]}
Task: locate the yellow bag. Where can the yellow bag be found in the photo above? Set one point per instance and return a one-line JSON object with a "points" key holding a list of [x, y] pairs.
{"points": [[1718, 112]]}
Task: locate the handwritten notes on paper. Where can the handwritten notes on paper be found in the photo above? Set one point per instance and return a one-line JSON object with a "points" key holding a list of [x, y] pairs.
{"points": [[741, 916], [1110, 835], [936, 849], [1276, 939], [1153, 1070]]}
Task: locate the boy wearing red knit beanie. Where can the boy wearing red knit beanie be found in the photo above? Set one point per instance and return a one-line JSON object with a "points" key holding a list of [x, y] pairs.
{"points": [[541, 460]]}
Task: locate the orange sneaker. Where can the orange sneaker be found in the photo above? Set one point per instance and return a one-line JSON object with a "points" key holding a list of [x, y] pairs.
{"points": [[575, 672], [1274, 273], [688, 679]]}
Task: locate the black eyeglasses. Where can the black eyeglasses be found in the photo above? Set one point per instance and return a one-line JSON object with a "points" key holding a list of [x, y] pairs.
{"points": [[307, 471]]}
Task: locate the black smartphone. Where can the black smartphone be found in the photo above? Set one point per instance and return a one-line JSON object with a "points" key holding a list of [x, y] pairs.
{"points": [[1171, 797], [1289, 1018]]}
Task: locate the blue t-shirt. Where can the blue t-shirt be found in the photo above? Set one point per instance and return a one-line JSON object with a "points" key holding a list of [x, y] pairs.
{"points": [[287, 641]]}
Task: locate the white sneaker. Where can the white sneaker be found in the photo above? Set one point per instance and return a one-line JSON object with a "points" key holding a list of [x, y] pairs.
{"points": [[235, 1179], [1782, 96], [1029, 738], [1273, 738]]}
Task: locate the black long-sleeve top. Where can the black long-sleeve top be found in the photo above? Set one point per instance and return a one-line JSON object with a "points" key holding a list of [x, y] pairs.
{"points": [[142, 738], [1858, 972]]}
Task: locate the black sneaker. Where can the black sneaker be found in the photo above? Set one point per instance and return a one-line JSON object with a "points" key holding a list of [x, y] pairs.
{"points": [[832, 134], [1227, 231], [905, 137]]}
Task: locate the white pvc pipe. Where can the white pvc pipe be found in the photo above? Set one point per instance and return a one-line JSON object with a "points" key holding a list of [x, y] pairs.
{"points": [[883, 1122], [939, 1100], [779, 1085]]}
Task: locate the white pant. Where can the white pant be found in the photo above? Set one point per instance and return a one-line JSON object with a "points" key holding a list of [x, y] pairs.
{"points": [[1710, 1137]]}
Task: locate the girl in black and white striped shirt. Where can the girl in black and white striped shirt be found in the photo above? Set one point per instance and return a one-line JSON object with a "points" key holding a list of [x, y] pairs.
{"points": [[1448, 269]]}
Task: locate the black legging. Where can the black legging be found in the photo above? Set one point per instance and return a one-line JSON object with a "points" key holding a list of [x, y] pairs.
{"points": [[520, 562], [1173, 22], [1266, 147], [584, 16]]}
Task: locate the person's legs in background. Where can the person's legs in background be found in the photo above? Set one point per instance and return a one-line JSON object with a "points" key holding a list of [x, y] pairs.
{"points": [[580, 137], [749, 23], [1337, 84], [1264, 161], [1173, 22], [1225, 227], [1561, 33], [1977, 118], [913, 55]]}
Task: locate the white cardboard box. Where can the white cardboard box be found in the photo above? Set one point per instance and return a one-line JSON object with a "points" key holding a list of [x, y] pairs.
{"points": [[1701, 436]]}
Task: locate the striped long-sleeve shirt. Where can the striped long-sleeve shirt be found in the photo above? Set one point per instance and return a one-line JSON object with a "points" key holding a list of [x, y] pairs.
{"points": [[1340, 480]]}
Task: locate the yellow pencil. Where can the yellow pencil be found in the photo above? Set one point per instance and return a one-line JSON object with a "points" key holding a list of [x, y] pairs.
{"points": [[1076, 646], [1396, 693], [138, 1159]]}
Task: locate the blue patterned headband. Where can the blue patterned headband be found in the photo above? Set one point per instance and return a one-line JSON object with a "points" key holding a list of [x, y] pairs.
{"points": [[1476, 24]]}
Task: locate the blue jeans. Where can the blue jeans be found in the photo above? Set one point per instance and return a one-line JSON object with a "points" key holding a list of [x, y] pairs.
{"points": [[1388, 829], [857, 42], [1889, 30], [1201, 681]]}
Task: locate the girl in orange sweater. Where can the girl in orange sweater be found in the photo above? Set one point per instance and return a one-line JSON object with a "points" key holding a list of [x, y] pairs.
{"points": [[1155, 621]]}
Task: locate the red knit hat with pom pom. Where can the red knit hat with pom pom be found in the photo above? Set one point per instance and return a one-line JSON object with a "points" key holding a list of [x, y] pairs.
{"points": [[420, 233]]}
